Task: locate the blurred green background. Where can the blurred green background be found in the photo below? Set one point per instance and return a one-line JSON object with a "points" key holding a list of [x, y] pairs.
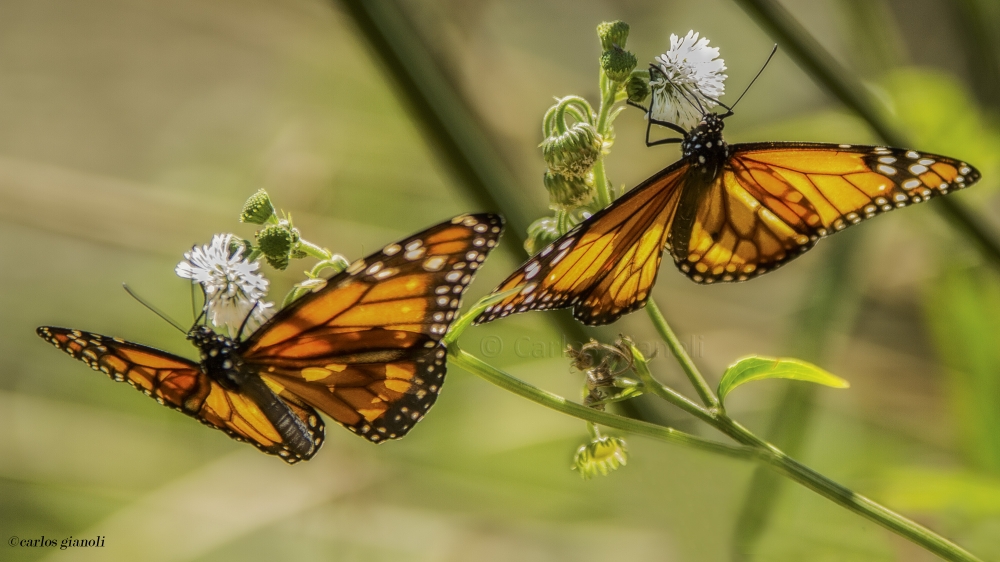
{"points": [[130, 130]]}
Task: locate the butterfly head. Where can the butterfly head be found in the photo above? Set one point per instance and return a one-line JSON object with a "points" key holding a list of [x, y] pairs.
{"points": [[704, 147], [220, 357]]}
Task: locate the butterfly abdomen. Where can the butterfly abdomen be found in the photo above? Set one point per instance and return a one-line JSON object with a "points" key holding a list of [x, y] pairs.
{"points": [[222, 362], [300, 441]]}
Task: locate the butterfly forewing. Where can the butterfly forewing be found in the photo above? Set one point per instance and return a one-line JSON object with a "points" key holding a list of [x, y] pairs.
{"points": [[773, 201], [180, 384], [604, 267], [365, 348]]}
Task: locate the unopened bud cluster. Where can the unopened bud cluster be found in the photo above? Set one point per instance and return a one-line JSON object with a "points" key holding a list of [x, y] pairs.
{"points": [[278, 241], [616, 62]]}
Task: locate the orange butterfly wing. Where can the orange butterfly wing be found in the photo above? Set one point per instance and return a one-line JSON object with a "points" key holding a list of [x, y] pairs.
{"points": [[606, 266], [773, 201], [180, 384], [769, 203], [365, 349]]}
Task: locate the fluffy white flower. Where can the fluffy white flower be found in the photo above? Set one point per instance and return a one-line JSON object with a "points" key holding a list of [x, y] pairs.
{"points": [[233, 288], [691, 83]]}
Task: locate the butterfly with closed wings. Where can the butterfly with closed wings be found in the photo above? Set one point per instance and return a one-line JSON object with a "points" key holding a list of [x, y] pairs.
{"points": [[726, 213], [365, 349]]}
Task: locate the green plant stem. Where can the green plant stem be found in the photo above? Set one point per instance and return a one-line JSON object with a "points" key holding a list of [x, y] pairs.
{"points": [[787, 466], [314, 251], [601, 182], [752, 448], [859, 504], [692, 372], [471, 363], [650, 384], [609, 90]]}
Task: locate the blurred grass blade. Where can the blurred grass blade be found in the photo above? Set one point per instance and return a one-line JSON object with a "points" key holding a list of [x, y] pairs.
{"points": [[459, 137], [963, 307], [980, 24], [831, 304], [938, 489], [447, 120], [756, 368]]}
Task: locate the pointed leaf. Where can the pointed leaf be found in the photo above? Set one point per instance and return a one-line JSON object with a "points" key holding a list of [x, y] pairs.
{"points": [[755, 368]]}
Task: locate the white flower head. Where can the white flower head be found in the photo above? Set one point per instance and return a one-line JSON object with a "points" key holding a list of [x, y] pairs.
{"points": [[691, 81], [233, 288]]}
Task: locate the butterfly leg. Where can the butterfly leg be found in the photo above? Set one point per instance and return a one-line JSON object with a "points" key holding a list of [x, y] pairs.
{"points": [[649, 124]]}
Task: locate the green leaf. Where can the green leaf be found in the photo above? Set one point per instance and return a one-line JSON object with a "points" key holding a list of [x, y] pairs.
{"points": [[756, 368]]}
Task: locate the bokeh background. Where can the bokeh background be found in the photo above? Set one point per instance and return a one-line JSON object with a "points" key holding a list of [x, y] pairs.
{"points": [[130, 130]]}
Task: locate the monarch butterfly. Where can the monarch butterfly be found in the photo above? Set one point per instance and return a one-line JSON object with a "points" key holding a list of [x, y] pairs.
{"points": [[365, 349], [726, 213]]}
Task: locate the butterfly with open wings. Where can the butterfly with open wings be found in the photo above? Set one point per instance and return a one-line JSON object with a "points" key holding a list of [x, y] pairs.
{"points": [[726, 213], [365, 349]]}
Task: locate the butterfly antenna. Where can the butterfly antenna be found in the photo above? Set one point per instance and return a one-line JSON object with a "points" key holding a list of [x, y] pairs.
{"points": [[194, 314], [155, 310], [650, 120], [239, 334], [693, 101], [204, 306], [759, 72]]}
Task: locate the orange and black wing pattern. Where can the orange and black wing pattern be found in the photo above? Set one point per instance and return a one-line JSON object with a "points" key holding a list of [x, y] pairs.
{"points": [[606, 266], [365, 349], [768, 203], [180, 384], [773, 201]]}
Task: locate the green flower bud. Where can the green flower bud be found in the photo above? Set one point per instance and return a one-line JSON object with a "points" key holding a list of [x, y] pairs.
{"points": [[612, 34], [637, 86], [618, 64], [277, 243], [236, 244], [574, 152], [566, 193], [602, 455], [258, 208], [541, 233]]}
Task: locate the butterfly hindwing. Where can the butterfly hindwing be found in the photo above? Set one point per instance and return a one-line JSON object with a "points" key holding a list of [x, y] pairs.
{"points": [[365, 348], [181, 384], [604, 267], [773, 201]]}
